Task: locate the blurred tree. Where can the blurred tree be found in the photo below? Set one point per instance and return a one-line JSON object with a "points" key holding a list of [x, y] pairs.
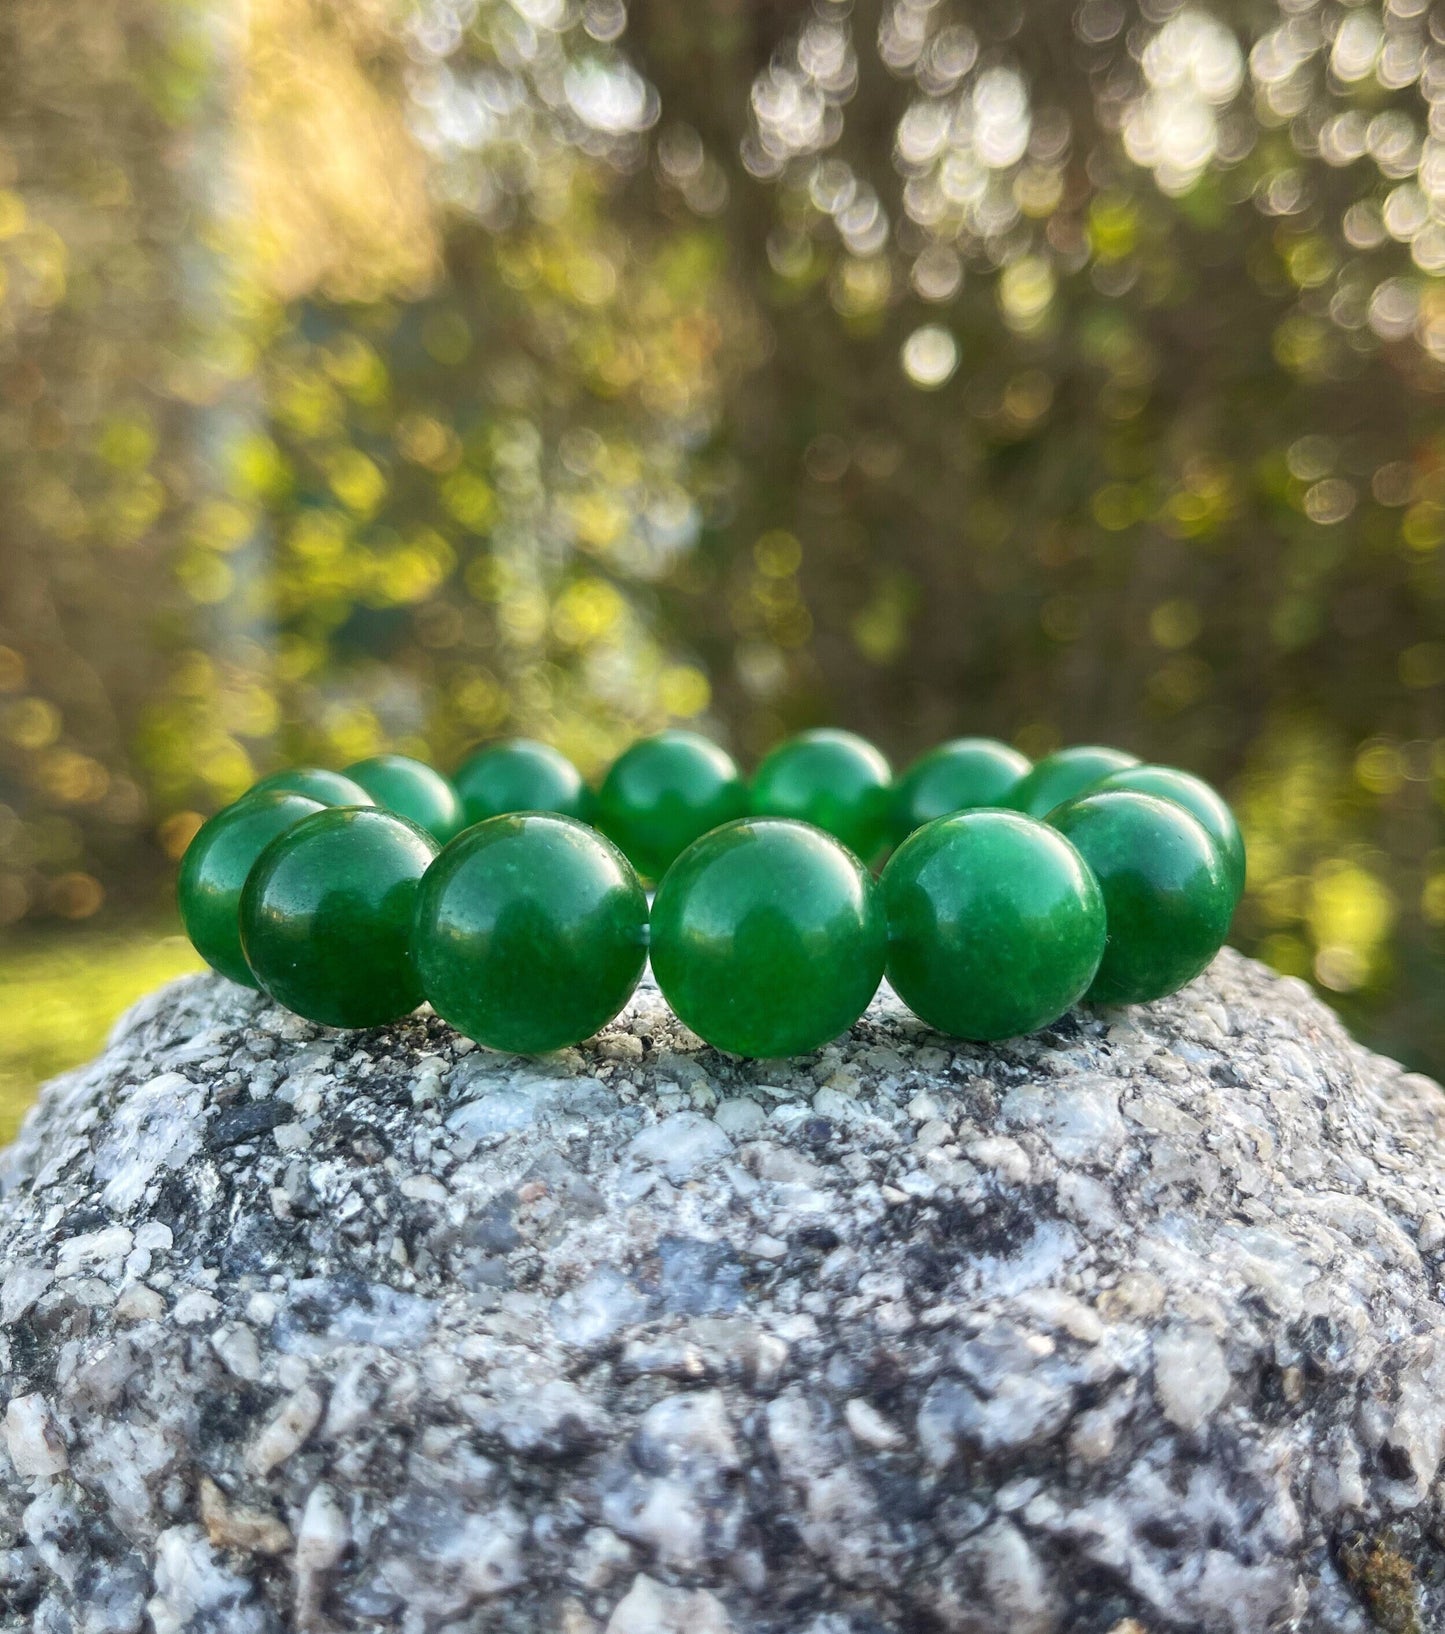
{"points": [[88, 432], [470, 474]]}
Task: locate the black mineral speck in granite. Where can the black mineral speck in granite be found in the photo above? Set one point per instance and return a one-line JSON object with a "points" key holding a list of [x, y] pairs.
{"points": [[245, 1120]]}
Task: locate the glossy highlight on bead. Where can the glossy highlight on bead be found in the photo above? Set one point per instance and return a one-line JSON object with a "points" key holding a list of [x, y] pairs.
{"points": [[412, 790], [835, 780], [326, 916], [768, 938], [665, 792], [214, 870], [1064, 774], [1197, 798], [529, 932], [520, 775], [328, 788], [961, 775], [1167, 895], [996, 926]]}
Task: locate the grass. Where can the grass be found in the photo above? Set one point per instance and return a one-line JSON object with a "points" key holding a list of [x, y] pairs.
{"points": [[60, 992]]}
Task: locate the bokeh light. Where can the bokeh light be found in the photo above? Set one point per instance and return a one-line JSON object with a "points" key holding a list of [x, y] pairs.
{"points": [[930, 356]]}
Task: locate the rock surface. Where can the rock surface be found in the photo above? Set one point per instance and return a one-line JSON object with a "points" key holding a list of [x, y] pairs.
{"points": [[1128, 1327]]}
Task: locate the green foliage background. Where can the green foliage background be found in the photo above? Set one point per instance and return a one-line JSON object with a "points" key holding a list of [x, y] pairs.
{"points": [[406, 374]]}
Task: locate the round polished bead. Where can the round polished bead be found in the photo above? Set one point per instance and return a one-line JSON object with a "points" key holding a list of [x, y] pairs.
{"points": [[1064, 774], [328, 788], [663, 793], [412, 790], [767, 937], [1166, 892], [214, 869], [995, 926], [521, 775], [326, 916], [530, 932], [1196, 796], [835, 780], [960, 775]]}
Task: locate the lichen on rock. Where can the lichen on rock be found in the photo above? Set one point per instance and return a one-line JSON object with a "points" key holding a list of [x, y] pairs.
{"points": [[1130, 1325]]}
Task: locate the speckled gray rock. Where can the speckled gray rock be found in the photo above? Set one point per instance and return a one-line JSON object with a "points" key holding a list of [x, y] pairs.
{"points": [[1131, 1326]]}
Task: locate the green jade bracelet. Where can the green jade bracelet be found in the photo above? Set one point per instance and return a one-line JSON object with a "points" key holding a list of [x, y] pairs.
{"points": [[1013, 891]]}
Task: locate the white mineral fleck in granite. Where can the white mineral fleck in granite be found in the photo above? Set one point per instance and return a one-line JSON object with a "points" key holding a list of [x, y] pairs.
{"points": [[32, 1437], [285, 1432], [1191, 1375], [1133, 1327], [650, 1607]]}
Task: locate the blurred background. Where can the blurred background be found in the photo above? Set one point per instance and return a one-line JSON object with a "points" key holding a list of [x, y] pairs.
{"points": [[404, 373]]}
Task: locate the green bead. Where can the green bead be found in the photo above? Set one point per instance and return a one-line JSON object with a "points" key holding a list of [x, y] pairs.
{"points": [[521, 775], [767, 937], [995, 926], [835, 780], [412, 790], [665, 792], [214, 869], [329, 788], [326, 916], [530, 932], [957, 776], [1166, 891], [1063, 775], [1196, 796]]}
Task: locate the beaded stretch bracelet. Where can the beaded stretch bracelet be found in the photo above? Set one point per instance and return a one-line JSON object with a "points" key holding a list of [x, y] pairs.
{"points": [[1013, 890]]}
